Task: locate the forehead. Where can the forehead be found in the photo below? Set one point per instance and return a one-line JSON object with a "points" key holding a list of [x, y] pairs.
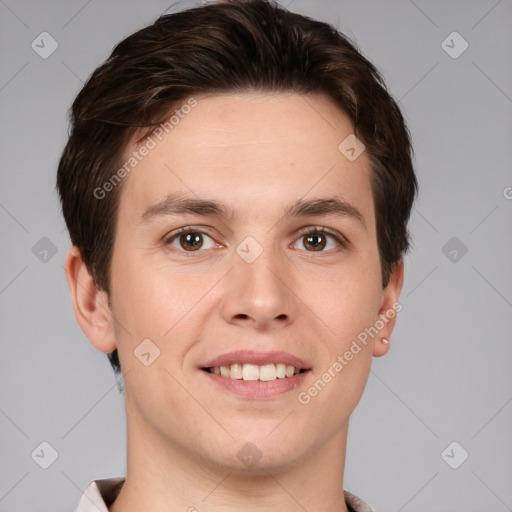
{"points": [[246, 149]]}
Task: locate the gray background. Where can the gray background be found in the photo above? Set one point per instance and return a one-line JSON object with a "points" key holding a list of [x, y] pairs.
{"points": [[447, 376]]}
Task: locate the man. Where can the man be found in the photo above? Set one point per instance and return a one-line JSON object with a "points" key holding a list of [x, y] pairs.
{"points": [[237, 187]]}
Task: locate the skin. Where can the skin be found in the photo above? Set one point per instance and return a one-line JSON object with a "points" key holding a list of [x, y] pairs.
{"points": [[258, 153]]}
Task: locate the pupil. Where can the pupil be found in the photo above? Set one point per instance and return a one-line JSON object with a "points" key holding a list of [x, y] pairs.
{"points": [[317, 242], [192, 240]]}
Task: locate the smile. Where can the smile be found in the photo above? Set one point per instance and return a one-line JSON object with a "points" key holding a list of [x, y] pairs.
{"points": [[252, 372]]}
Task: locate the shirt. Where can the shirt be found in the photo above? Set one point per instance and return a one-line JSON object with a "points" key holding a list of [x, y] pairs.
{"points": [[100, 494]]}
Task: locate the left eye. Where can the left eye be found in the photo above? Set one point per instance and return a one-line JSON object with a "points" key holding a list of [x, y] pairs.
{"points": [[190, 240], [318, 240]]}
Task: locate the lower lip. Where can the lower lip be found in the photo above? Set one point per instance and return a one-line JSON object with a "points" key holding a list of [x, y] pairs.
{"points": [[258, 388]]}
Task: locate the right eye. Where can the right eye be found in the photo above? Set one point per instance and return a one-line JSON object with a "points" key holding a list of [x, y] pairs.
{"points": [[190, 239]]}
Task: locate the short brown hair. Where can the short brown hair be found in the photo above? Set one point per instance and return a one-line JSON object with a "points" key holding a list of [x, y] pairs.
{"points": [[229, 46]]}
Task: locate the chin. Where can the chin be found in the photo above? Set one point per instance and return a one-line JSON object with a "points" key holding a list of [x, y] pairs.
{"points": [[257, 455]]}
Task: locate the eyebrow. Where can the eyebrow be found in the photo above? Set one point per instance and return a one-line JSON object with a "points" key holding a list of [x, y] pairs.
{"points": [[174, 204], [329, 206]]}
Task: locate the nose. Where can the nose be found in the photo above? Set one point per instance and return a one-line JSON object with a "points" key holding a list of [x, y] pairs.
{"points": [[259, 293]]}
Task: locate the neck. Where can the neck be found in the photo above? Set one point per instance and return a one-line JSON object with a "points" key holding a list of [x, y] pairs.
{"points": [[162, 475]]}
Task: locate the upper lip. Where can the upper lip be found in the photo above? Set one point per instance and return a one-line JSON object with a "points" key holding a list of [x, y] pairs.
{"points": [[258, 358]]}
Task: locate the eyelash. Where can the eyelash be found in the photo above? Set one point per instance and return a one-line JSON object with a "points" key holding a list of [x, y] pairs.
{"points": [[311, 230], [315, 230]]}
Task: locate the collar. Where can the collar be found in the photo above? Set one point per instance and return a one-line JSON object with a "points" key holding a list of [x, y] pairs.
{"points": [[100, 494]]}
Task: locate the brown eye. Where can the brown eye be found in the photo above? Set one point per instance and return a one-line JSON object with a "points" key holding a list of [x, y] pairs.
{"points": [[315, 241], [191, 241], [322, 240]]}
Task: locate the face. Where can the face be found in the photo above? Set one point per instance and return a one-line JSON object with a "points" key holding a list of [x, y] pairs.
{"points": [[246, 237]]}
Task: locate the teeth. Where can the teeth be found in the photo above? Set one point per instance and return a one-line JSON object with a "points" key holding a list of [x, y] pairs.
{"points": [[251, 372], [265, 372], [290, 370], [268, 372], [236, 371]]}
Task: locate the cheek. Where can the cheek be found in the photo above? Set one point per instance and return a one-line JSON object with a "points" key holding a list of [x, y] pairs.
{"points": [[151, 303], [159, 302], [350, 308], [341, 377], [348, 305]]}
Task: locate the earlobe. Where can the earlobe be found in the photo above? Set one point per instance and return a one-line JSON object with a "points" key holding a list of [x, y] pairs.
{"points": [[90, 304], [389, 309]]}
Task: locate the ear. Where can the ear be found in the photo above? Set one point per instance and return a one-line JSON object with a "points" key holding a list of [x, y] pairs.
{"points": [[90, 303], [389, 308]]}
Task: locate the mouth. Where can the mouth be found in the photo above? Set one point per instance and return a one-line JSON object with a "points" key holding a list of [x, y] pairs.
{"points": [[256, 374], [253, 372]]}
